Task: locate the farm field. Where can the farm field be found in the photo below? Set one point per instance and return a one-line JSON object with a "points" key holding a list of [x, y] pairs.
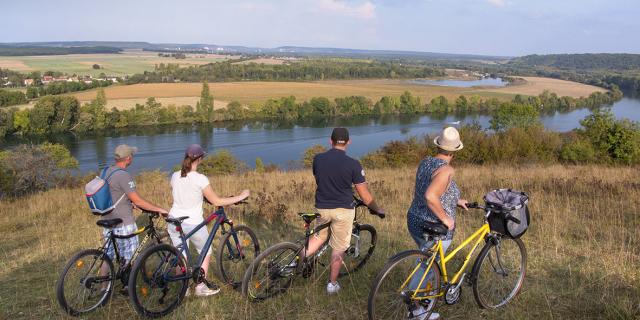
{"points": [[126, 63], [252, 92], [583, 244]]}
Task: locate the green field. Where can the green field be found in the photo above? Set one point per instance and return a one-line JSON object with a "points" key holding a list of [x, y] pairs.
{"points": [[126, 63]]}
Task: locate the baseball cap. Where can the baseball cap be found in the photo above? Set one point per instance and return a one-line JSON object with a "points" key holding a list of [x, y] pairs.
{"points": [[194, 151], [122, 151], [340, 135]]}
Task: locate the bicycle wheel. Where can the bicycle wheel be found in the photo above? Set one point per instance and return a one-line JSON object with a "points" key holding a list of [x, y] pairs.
{"points": [[235, 254], [498, 272], [153, 289], [392, 292], [272, 272], [81, 287], [363, 242]]}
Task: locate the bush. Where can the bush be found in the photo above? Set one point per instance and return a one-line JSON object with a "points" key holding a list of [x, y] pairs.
{"points": [[310, 153], [619, 140], [578, 150], [29, 168], [514, 115], [221, 162]]}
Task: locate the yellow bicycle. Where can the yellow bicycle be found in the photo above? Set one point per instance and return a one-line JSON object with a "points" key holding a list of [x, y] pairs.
{"points": [[412, 282]]}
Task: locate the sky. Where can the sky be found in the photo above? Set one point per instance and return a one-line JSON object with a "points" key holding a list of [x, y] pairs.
{"points": [[487, 27]]}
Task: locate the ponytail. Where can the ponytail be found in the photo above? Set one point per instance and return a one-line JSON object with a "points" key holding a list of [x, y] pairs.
{"points": [[186, 166]]}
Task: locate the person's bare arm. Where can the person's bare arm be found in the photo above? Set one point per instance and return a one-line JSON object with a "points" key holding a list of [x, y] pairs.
{"points": [[439, 183], [141, 203], [212, 197], [367, 198]]}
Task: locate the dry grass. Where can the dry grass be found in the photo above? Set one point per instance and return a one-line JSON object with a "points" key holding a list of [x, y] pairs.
{"points": [[583, 246], [15, 65], [536, 85]]}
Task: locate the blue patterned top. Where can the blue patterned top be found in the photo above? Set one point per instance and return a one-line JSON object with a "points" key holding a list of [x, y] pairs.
{"points": [[419, 212]]}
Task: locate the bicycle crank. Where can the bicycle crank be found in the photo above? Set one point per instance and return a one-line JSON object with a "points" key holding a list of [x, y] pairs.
{"points": [[454, 292]]}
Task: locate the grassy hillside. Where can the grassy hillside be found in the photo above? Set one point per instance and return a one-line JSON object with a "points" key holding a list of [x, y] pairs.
{"points": [[583, 246]]}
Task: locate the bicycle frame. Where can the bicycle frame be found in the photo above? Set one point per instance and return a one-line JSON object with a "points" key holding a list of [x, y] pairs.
{"points": [[438, 251], [220, 219], [111, 240]]}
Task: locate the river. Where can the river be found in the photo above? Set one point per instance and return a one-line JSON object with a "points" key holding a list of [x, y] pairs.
{"points": [[283, 143]]}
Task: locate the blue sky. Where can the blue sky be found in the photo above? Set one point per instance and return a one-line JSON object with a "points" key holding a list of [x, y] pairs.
{"points": [[493, 27]]}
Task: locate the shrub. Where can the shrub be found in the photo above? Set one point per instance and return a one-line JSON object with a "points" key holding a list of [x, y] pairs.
{"points": [[29, 168], [514, 115], [221, 162], [310, 153], [578, 150]]}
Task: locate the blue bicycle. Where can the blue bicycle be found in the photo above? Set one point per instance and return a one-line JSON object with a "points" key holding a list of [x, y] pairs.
{"points": [[160, 277]]}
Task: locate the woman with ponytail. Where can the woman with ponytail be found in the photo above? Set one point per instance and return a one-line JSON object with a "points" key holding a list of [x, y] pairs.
{"points": [[189, 188]]}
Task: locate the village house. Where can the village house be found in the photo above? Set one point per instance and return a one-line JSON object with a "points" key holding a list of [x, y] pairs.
{"points": [[28, 82]]}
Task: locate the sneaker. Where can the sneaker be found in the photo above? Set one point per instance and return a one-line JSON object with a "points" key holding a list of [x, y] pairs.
{"points": [[333, 288], [202, 290], [420, 313]]}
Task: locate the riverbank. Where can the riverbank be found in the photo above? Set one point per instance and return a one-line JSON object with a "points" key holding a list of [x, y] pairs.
{"points": [[583, 244]]}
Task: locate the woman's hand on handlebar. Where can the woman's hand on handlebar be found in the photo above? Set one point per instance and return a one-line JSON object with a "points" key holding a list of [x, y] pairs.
{"points": [[462, 203], [244, 194]]}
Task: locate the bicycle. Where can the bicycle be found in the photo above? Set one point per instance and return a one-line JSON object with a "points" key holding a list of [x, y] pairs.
{"points": [[273, 271], [96, 289], [161, 276], [502, 261]]}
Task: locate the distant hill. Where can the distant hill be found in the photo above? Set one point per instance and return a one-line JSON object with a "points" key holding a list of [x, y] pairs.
{"points": [[279, 51], [583, 62]]}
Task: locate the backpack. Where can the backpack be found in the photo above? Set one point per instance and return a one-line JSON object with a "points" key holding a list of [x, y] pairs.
{"points": [[99, 195]]}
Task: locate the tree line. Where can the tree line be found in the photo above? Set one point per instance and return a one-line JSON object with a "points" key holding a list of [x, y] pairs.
{"points": [[11, 97], [57, 114], [9, 50], [319, 69]]}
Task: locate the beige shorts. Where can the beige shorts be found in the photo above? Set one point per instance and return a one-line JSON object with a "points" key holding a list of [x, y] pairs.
{"points": [[341, 226]]}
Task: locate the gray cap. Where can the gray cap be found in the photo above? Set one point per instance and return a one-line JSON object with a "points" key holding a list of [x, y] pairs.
{"points": [[122, 151], [194, 151]]}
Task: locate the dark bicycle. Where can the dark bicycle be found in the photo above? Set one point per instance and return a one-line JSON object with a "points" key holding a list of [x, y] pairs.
{"points": [[82, 287], [273, 271], [160, 277]]}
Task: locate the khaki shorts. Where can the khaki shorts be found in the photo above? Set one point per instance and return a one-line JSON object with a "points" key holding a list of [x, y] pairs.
{"points": [[341, 225]]}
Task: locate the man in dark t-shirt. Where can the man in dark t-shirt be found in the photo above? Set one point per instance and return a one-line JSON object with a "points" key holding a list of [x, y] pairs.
{"points": [[336, 174]]}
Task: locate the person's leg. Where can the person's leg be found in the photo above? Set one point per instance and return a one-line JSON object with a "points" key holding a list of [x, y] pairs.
{"points": [[341, 227], [199, 239], [317, 240], [104, 268]]}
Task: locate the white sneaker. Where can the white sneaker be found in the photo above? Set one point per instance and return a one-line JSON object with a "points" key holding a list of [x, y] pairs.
{"points": [[202, 290], [420, 313], [333, 288]]}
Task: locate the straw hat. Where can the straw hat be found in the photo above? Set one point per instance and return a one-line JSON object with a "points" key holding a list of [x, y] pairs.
{"points": [[448, 140]]}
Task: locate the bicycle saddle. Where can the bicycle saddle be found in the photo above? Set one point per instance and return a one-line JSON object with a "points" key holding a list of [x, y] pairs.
{"points": [[308, 217], [435, 229], [176, 221], [109, 223]]}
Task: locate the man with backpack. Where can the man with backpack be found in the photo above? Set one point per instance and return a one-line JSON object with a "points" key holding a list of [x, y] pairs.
{"points": [[336, 174], [124, 194]]}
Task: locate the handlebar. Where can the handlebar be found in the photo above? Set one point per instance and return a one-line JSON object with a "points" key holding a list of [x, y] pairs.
{"points": [[475, 205], [360, 203]]}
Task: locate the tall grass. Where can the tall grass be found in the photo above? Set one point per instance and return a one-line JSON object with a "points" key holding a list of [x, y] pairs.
{"points": [[583, 244]]}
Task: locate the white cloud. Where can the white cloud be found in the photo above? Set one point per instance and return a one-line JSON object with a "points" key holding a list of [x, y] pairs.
{"points": [[497, 3], [366, 10]]}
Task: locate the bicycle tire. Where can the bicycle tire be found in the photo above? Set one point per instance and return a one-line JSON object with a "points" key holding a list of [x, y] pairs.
{"points": [[226, 260], [370, 247], [167, 255], [252, 281], [486, 255], [400, 303], [77, 263]]}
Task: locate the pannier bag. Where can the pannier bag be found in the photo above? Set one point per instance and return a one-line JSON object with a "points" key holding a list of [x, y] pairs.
{"points": [[99, 195], [506, 206]]}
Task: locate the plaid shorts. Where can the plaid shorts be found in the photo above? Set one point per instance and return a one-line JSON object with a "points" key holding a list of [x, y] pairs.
{"points": [[126, 247]]}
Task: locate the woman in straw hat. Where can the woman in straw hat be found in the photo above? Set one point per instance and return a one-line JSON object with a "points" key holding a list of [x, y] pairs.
{"points": [[435, 199]]}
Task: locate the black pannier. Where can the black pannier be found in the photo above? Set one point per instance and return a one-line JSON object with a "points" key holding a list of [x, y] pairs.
{"points": [[509, 213]]}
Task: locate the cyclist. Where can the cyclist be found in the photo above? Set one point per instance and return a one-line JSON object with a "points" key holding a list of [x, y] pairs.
{"points": [[123, 187], [188, 188], [435, 198], [335, 174]]}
